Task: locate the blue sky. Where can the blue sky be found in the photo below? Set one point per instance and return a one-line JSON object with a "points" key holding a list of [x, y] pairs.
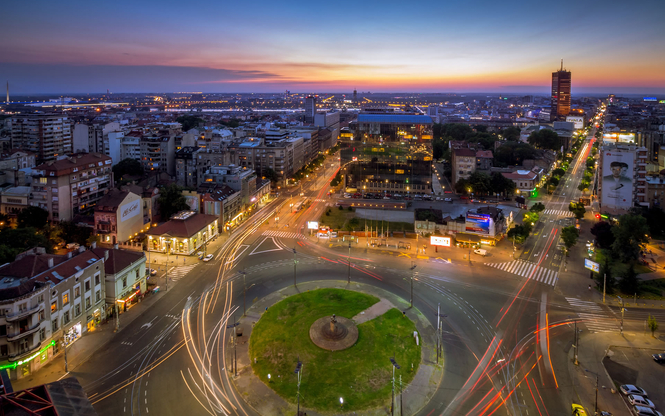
{"points": [[265, 46]]}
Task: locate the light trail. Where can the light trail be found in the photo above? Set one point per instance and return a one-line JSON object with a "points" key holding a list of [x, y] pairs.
{"points": [[533, 397], [548, 349]]}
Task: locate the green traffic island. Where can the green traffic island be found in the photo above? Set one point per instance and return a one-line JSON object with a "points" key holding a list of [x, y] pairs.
{"points": [[360, 372]]}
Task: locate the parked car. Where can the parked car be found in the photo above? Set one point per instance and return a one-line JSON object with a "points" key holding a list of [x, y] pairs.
{"points": [[578, 410], [645, 411], [448, 199], [150, 272], [627, 389], [199, 255], [480, 251], [659, 358], [347, 196], [636, 400], [438, 198], [208, 257]]}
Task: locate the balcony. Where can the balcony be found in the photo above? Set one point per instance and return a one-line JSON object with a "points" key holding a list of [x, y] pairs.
{"points": [[23, 314], [24, 333], [20, 355]]}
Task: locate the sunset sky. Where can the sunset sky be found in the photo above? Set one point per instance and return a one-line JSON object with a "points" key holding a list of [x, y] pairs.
{"points": [[270, 46]]}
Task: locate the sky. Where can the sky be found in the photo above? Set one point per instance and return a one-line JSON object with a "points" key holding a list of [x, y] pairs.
{"points": [[379, 46]]}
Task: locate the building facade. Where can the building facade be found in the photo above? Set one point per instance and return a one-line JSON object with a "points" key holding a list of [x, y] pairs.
{"points": [[46, 135], [463, 164], [622, 180], [184, 233], [118, 216], [561, 84], [186, 172]]}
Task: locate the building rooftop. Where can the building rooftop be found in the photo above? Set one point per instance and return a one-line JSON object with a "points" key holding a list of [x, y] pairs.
{"points": [[118, 259], [78, 160], [183, 228], [394, 118], [111, 201], [465, 152], [68, 268], [485, 154]]}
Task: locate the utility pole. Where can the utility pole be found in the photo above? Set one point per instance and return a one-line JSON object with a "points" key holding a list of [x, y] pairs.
{"points": [[577, 346], [244, 292], [234, 363], [439, 315], [295, 261], [392, 403], [168, 250], [348, 275], [596, 405], [413, 266], [64, 346], [401, 409], [299, 373], [117, 317], [622, 311], [604, 285]]}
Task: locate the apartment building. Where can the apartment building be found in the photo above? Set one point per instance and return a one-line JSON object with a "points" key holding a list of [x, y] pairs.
{"points": [[238, 179], [46, 135], [125, 281], [118, 216], [284, 156], [70, 186], [186, 172], [158, 153], [463, 164]]}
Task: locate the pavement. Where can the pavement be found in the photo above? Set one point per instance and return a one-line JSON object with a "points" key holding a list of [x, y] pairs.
{"points": [[266, 402]]}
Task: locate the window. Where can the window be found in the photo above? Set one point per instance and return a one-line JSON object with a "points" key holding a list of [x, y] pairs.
{"points": [[77, 292], [40, 298], [23, 345], [3, 330], [65, 299], [77, 310], [22, 307], [42, 334], [3, 350], [137, 274], [41, 316], [54, 306], [124, 282], [54, 325], [98, 296], [97, 279], [87, 286], [87, 303], [65, 318]]}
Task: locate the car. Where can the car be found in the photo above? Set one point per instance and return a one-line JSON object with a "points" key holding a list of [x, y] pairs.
{"points": [[448, 199], [208, 257], [377, 196], [347, 196], [627, 389], [637, 400], [578, 410], [659, 358], [645, 411], [150, 272], [480, 251]]}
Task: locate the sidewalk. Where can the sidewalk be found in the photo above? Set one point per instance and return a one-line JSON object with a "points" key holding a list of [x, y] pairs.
{"points": [[593, 349], [266, 402]]}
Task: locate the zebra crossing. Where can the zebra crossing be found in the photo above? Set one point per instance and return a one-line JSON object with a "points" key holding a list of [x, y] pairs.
{"points": [[529, 270], [283, 234], [559, 213], [178, 272], [593, 316]]}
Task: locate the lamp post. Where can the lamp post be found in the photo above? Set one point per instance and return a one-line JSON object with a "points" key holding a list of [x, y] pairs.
{"points": [[64, 347], [348, 275], [622, 311], [392, 403], [413, 267], [439, 315], [235, 357], [596, 405], [299, 373], [168, 251], [295, 261]]}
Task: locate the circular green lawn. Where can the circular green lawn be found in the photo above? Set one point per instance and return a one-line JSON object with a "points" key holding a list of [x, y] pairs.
{"points": [[361, 374]]}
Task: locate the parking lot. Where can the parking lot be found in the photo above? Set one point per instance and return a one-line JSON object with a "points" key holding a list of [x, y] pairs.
{"points": [[636, 366]]}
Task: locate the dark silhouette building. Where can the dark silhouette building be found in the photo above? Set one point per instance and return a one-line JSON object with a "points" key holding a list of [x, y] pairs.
{"points": [[560, 94]]}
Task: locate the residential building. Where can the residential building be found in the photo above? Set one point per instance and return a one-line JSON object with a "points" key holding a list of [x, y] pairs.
{"points": [[125, 280], [241, 180], [186, 172], [17, 159], [560, 94], [118, 216], [70, 186], [463, 164], [48, 136], [158, 153], [310, 108], [484, 160], [622, 180], [224, 203], [285, 157], [184, 233], [14, 200], [526, 181], [130, 146]]}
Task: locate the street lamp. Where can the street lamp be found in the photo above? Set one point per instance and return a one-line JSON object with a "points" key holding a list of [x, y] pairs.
{"points": [[341, 402], [439, 315], [622, 311], [235, 356], [596, 405], [299, 373], [413, 266], [392, 403]]}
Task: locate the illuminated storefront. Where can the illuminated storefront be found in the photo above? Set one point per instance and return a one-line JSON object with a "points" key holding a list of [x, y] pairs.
{"points": [[184, 234]]}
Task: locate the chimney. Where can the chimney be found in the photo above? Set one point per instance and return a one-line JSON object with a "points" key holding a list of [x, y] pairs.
{"points": [[50, 262], [106, 255], [93, 245]]}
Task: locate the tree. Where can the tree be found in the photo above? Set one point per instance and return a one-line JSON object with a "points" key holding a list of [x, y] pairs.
{"points": [[652, 324], [189, 122], [519, 233], [233, 123], [530, 217], [538, 207], [171, 201], [501, 185], [127, 166], [558, 172], [480, 183], [629, 283], [15, 241], [462, 186], [630, 237], [569, 235], [511, 134], [34, 217], [70, 232], [480, 128], [513, 153], [656, 220], [603, 232], [554, 181], [545, 139], [605, 277], [577, 209], [456, 131], [270, 174]]}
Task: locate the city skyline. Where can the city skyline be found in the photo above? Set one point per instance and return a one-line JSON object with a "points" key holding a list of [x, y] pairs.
{"points": [[507, 47]]}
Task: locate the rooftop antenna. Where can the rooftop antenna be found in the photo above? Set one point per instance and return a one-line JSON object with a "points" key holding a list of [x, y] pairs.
{"points": [[7, 92], [562, 64]]}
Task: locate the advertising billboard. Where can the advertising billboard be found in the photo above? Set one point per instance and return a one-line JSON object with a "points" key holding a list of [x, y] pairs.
{"points": [[477, 223], [439, 241], [578, 121], [591, 265], [130, 210], [619, 137], [312, 225], [617, 186]]}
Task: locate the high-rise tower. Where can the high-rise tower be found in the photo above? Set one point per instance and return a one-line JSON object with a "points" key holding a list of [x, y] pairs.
{"points": [[310, 108], [560, 94]]}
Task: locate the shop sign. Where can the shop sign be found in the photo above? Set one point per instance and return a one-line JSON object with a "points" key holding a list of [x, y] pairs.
{"points": [[440, 241]]}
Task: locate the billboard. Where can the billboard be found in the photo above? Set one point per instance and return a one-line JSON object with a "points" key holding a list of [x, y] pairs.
{"points": [[618, 137], [312, 225], [617, 185], [477, 223], [591, 265], [578, 121], [650, 99], [130, 210], [439, 241]]}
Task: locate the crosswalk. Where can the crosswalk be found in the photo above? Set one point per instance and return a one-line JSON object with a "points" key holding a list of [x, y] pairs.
{"points": [[593, 316], [283, 234], [529, 270], [559, 213], [178, 272]]}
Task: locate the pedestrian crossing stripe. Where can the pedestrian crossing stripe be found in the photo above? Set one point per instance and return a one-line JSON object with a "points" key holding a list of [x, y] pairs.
{"points": [[178, 272], [558, 212], [593, 316], [529, 270], [283, 234]]}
